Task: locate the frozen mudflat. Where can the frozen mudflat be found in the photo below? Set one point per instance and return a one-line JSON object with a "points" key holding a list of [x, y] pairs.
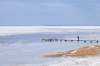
{"points": [[25, 46]]}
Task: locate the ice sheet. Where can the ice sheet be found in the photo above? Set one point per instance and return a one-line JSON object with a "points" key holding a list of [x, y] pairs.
{"points": [[19, 53], [14, 30]]}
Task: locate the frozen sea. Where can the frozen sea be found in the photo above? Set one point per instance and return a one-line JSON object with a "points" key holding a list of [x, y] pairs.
{"points": [[25, 46]]}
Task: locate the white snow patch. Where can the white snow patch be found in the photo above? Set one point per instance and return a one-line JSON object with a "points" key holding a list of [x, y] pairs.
{"points": [[88, 61], [73, 52]]}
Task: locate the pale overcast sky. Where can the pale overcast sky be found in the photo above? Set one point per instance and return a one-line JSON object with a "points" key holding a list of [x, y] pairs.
{"points": [[50, 12]]}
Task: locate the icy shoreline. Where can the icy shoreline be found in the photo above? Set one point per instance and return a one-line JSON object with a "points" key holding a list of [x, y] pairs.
{"points": [[85, 59], [15, 30], [81, 60], [88, 61]]}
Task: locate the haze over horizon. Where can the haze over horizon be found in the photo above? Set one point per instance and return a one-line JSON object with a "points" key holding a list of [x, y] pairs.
{"points": [[50, 12]]}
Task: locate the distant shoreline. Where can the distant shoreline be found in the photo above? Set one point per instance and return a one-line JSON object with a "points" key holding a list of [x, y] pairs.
{"points": [[16, 30]]}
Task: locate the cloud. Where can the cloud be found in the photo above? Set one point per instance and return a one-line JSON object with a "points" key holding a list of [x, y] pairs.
{"points": [[5, 5], [58, 7], [57, 4], [69, 9], [95, 6], [47, 6], [21, 4]]}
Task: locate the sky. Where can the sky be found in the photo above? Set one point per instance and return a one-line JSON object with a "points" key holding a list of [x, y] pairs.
{"points": [[50, 12]]}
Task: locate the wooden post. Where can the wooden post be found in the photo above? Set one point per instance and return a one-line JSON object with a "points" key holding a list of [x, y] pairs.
{"points": [[90, 35], [65, 40], [42, 40], [90, 41], [56, 39], [60, 40], [84, 41], [71, 40]]}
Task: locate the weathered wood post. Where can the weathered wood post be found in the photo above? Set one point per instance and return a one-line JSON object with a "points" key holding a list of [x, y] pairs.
{"points": [[42, 40], [56, 40], [60, 40], [71, 40], [65, 40], [45, 40], [84, 41], [77, 40], [50, 40], [90, 41]]}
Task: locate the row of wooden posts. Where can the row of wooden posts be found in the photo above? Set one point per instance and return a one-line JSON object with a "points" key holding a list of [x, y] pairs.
{"points": [[52, 40]]}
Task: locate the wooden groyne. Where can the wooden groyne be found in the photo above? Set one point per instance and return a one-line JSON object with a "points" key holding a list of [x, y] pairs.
{"points": [[52, 40]]}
